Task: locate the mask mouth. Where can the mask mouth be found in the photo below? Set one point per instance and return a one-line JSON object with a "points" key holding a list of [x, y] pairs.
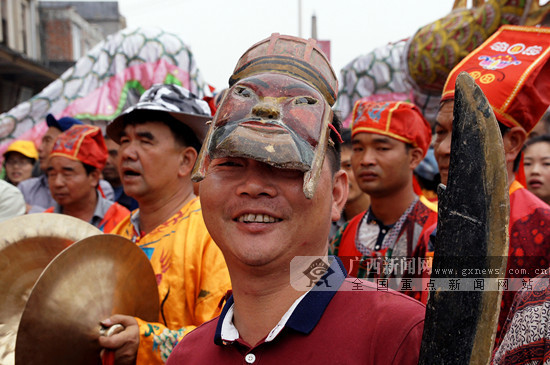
{"points": [[264, 126], [268, 141]]}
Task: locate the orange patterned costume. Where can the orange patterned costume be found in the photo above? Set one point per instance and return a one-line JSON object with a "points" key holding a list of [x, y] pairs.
{"points": [[191, 275]]}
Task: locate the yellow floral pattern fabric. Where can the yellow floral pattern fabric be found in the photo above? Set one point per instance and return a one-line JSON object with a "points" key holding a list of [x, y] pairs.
{"points": [[191, 275]]}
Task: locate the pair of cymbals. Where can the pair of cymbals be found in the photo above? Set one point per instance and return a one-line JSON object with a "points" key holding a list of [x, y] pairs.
{"points": [[56, 292]]}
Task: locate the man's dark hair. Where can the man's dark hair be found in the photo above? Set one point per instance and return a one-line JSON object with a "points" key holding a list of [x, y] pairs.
{"points": [[537, 139], [346, 137], [183, 135], [89, 169], [334, 150]]}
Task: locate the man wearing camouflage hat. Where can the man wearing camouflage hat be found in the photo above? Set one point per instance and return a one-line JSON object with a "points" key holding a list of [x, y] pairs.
{"points": [[159, 138]]}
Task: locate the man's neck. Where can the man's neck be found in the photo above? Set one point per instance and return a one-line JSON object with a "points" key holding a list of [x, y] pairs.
{"points": [[83, 209], [262, 297], [257, 313], [154, 212], [511, 174], [388, 209], [357, 206], [115, 183]]}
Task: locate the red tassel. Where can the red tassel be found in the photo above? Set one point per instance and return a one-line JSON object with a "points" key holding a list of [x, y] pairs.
{"points": [[108, 357], [520, 174]]}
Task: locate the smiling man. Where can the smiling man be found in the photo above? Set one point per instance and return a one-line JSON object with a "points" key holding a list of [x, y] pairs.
{"points": [[271, 185], [389, 140], [159, 138]]}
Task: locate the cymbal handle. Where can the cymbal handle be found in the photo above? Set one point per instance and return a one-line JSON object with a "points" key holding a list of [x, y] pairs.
{"points": [[108, 357]]}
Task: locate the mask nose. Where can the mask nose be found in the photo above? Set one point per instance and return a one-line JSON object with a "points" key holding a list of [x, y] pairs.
{"points": [[266, 110]]}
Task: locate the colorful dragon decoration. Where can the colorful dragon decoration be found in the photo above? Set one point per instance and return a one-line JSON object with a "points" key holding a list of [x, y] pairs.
{"points": [[105, 81], [416, 69], [115, 72]]}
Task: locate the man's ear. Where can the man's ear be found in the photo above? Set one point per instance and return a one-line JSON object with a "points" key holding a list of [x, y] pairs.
{"points": [[513, 142], [340, 189], [188, 156], [94, 177], [417, 155]]}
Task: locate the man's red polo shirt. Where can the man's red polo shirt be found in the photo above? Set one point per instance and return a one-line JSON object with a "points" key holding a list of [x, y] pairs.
{"points": [[347, 326]]}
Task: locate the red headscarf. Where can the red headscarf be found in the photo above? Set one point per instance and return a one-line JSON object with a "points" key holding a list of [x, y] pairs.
{"points": [[396, 119], [82, 143], [512, 69]]}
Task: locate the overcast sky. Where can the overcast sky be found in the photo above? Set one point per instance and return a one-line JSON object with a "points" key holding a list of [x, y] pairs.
{"points": [[219, 31]]}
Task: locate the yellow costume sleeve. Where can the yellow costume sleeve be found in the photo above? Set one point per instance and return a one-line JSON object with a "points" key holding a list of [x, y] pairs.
{"points": [[192, 278]]}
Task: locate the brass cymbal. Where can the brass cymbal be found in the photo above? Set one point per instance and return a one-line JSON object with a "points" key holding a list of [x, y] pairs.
{"points": [[27, 245], [88, 282]]}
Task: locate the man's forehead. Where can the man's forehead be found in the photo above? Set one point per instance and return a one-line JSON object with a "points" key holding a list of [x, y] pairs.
{"points": [[64, 163], [148, 126], [111, 144], [374, 138], [537, 145], [445, 114], [52, 132]]}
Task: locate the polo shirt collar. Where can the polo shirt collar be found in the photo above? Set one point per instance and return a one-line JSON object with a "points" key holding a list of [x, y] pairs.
{"points": [[103, 205], [43, 179], [302, 316]]}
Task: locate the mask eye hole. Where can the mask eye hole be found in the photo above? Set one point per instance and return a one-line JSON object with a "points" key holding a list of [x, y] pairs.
{"points": [[302, 100], [243, 91]]}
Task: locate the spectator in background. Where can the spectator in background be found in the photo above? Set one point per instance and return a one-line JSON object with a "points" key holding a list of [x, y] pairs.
{"points": [[19, 160], [112, 175], [358, 201], [427, 176], [389, 140], [12, 203], [542, 126], [74, 167], [536, 162], [518, 98], [36, 190]]}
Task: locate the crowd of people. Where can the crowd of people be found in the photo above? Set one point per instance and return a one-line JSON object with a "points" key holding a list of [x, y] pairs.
{"points": [[236, 207]]}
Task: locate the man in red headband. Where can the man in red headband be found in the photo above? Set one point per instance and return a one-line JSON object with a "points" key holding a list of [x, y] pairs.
{"points": [[73, 170], [512, 68], [36, 190], [271, 185], [389, 140]]}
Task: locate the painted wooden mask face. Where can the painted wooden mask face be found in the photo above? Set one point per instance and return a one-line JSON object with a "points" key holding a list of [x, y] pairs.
{"points": [[273, 118]]}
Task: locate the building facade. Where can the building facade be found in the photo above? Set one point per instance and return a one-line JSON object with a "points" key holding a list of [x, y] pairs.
{"points": [[39, 40], [22, 72]]}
